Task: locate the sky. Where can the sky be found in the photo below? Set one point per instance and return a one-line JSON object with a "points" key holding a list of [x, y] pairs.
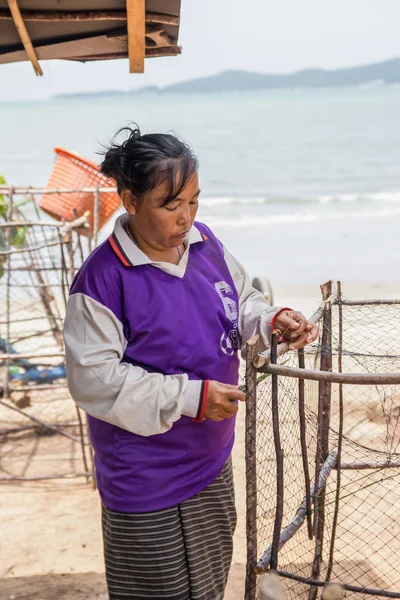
{"points": [[267, 36]]}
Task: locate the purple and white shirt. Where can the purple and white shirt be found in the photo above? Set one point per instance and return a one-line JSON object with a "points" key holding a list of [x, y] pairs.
{"points": [[141, 338]]}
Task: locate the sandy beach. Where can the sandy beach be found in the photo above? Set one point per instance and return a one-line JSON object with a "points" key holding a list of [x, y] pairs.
{"points": [[51, 540]]}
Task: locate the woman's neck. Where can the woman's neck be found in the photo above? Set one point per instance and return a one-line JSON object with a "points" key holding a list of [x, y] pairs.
{"points": [[170, 255]]}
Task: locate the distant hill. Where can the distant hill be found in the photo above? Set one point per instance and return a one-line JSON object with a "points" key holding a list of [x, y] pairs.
{"points": [[380, 73]]}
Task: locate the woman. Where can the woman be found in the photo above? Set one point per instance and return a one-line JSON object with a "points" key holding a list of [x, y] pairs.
{"points": [[155, 320]]}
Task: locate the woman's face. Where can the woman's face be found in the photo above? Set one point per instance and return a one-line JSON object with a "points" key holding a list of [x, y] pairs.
{"points": [[162, 227]]}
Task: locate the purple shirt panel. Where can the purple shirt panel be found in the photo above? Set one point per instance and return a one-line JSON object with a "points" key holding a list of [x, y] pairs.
{"points": [[172, 325]]}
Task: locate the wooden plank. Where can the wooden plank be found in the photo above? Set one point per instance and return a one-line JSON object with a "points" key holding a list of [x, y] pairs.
{"points": [[135, 12], [82, 16], [24, 35]]}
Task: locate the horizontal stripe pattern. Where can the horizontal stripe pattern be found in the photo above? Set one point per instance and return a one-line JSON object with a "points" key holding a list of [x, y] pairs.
{"points": [[179, 553]]}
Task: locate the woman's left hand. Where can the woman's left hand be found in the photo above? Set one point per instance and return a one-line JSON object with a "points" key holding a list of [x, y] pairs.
{"points": [[294, 328]]}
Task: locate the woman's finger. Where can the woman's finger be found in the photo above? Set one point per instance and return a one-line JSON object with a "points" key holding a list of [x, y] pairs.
{"points": [[236, 395], [301, 342], [314, 331]]}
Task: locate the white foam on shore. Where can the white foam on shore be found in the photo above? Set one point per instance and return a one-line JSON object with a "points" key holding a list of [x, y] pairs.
{"points": [[383, 196], [245, 221]]}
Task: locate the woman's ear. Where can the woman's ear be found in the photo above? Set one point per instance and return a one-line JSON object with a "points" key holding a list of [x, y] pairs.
{"points": [[129, 201]]}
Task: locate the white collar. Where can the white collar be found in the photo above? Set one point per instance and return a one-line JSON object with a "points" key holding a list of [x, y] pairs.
{"points": [[129, 253]]}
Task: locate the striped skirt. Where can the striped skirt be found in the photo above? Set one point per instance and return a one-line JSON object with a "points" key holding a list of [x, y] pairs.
{"points": [[179, 553]]}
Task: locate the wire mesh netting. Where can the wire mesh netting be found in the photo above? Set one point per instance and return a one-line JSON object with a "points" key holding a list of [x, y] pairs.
{"points": [[354, 519], [38, 260]]}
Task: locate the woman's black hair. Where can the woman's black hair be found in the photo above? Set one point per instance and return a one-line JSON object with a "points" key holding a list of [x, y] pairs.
{"points": [[141, 162]]}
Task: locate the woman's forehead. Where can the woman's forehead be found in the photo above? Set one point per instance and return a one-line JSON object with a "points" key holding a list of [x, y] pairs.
{"points": [[188, 191]]}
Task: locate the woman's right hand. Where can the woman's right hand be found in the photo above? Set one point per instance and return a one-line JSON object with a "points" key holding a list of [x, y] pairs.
{"points": [[220, 399]]}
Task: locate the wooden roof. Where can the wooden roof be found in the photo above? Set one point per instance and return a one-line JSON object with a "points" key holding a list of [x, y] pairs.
{"points": [[85, 30]]}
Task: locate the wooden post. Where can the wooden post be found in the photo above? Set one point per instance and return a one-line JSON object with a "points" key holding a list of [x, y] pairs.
{"points": [[10, 208], [96, 209], [303, 442], [279, 460], [251, 468], [135, 12], [340, 436], [324, 406]]}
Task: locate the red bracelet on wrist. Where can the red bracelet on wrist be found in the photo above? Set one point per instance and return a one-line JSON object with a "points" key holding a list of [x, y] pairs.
{"points": [[203, 401]]}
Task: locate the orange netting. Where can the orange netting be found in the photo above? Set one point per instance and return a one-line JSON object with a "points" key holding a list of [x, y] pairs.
{"points": [[72, 171]]}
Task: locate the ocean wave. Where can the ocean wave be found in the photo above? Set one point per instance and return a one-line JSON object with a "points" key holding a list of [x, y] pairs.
{"points": [[384, 196], [246, 221]]}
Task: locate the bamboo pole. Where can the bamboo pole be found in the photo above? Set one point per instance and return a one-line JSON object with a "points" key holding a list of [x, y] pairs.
{"points": [[300, 515], [303, 442], [324, 400], [251, 468], [24, 35], [279, 460]]}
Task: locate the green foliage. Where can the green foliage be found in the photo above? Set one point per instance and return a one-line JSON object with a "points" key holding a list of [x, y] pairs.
{"points": [[17, 233]]}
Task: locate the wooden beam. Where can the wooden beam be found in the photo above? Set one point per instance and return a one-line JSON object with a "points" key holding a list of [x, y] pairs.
{"points": [[163, 51], [24, 35], [135, 11], [95, 15]]}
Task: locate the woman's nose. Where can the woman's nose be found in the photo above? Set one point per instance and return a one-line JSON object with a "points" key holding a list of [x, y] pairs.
{"points": [[184, 216]]}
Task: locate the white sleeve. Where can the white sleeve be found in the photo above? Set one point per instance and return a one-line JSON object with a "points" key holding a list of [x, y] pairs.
{"points": [[255, 314], [113, 391]]}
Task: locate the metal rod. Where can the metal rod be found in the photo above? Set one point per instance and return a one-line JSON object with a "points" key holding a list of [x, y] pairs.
{"points": [[340, 438], [251, 468], [279, 460], [303, 442]]}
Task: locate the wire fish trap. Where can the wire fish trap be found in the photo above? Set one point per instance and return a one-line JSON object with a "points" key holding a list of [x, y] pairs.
{"points": [[323, 456], [72, 174]]}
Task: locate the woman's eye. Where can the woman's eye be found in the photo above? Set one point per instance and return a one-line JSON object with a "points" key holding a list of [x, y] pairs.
{"points": [[171, 208]]}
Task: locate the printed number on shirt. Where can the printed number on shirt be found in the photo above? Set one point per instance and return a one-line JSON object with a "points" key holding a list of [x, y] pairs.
{"points": [[229, 341]]}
